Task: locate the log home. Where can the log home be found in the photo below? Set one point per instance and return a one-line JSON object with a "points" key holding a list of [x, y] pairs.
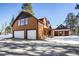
{"points": [[26, 26]]}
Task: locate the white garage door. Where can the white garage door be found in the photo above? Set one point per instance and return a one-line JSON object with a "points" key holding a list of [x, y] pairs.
{"points": [[18, 34], [31, 34]]}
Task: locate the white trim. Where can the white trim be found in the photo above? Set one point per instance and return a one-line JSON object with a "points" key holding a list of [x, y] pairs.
{"points": [[23, 22]]}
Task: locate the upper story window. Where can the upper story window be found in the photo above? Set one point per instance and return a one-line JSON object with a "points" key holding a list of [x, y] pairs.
{"points": [[23, 21]]}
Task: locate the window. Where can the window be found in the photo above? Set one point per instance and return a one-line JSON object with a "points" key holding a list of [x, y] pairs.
{"points": [[23, 21]]}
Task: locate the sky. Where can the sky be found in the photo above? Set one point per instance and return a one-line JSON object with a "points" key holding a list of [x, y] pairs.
{"points": [[54, 12]]}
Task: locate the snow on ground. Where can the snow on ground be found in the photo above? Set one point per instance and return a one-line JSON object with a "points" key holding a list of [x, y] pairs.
{"points": [[65, 39], [37, 48], [59, 39], [5, 36], [56, 46]]}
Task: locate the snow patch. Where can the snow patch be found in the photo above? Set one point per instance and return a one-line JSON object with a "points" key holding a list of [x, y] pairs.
{"points": [[65, 39], [5, 36]]}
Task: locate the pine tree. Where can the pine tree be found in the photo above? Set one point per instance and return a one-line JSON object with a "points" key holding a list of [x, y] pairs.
{"points": [[71, 23], [8, 28], [77, 16], [2, 28], [27, 8], [11, 24], [12, 20]]}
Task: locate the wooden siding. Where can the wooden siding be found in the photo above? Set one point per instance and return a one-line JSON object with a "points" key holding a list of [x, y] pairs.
{"points": [[32, 24], [43, 32], [40, 31]]}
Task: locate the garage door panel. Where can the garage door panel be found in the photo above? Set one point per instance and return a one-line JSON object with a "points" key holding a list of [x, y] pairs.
{"points": [[31, 34], [18, 34]]}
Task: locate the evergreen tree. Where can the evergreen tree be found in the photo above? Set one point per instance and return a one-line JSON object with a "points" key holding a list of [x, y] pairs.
{"points": [[2, 28], [77, 16], [8, 28], [27, 8], [12, 20], [71, 22]]}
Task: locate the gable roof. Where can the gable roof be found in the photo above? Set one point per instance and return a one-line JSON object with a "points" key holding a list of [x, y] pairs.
{"points": [[61, 27], [26, 14], [41, 19]]}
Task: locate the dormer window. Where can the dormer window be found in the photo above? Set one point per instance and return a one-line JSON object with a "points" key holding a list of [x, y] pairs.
{"points": [[23, 21]]}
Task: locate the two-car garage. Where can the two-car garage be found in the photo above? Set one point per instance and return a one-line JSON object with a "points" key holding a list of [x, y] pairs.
{"points": [[30, 34]]}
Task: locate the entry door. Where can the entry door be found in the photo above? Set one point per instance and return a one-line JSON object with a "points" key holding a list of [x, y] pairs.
{"points": [[31, 34]]}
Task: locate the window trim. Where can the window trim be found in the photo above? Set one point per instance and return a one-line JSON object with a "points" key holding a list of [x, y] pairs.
{"points": [[23, 22]]}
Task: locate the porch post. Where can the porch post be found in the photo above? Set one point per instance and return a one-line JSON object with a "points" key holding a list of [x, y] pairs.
{"points": [[53, 33], [58, 33], [63, 33]]}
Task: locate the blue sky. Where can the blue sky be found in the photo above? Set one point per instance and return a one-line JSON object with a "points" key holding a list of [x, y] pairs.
{"points": [[55, 12]]}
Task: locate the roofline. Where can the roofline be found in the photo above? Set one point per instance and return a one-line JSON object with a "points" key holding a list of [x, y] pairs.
{"points": [[30, 14], [19, 15], [42, 17], [60, 29]]}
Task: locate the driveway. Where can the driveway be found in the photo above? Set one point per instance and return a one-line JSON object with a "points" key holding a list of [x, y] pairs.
{"points": [[37, 48]]}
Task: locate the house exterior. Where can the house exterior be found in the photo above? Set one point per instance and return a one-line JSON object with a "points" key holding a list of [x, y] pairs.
{"points": [[46, 27], [61, 30], [26, 26]]}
